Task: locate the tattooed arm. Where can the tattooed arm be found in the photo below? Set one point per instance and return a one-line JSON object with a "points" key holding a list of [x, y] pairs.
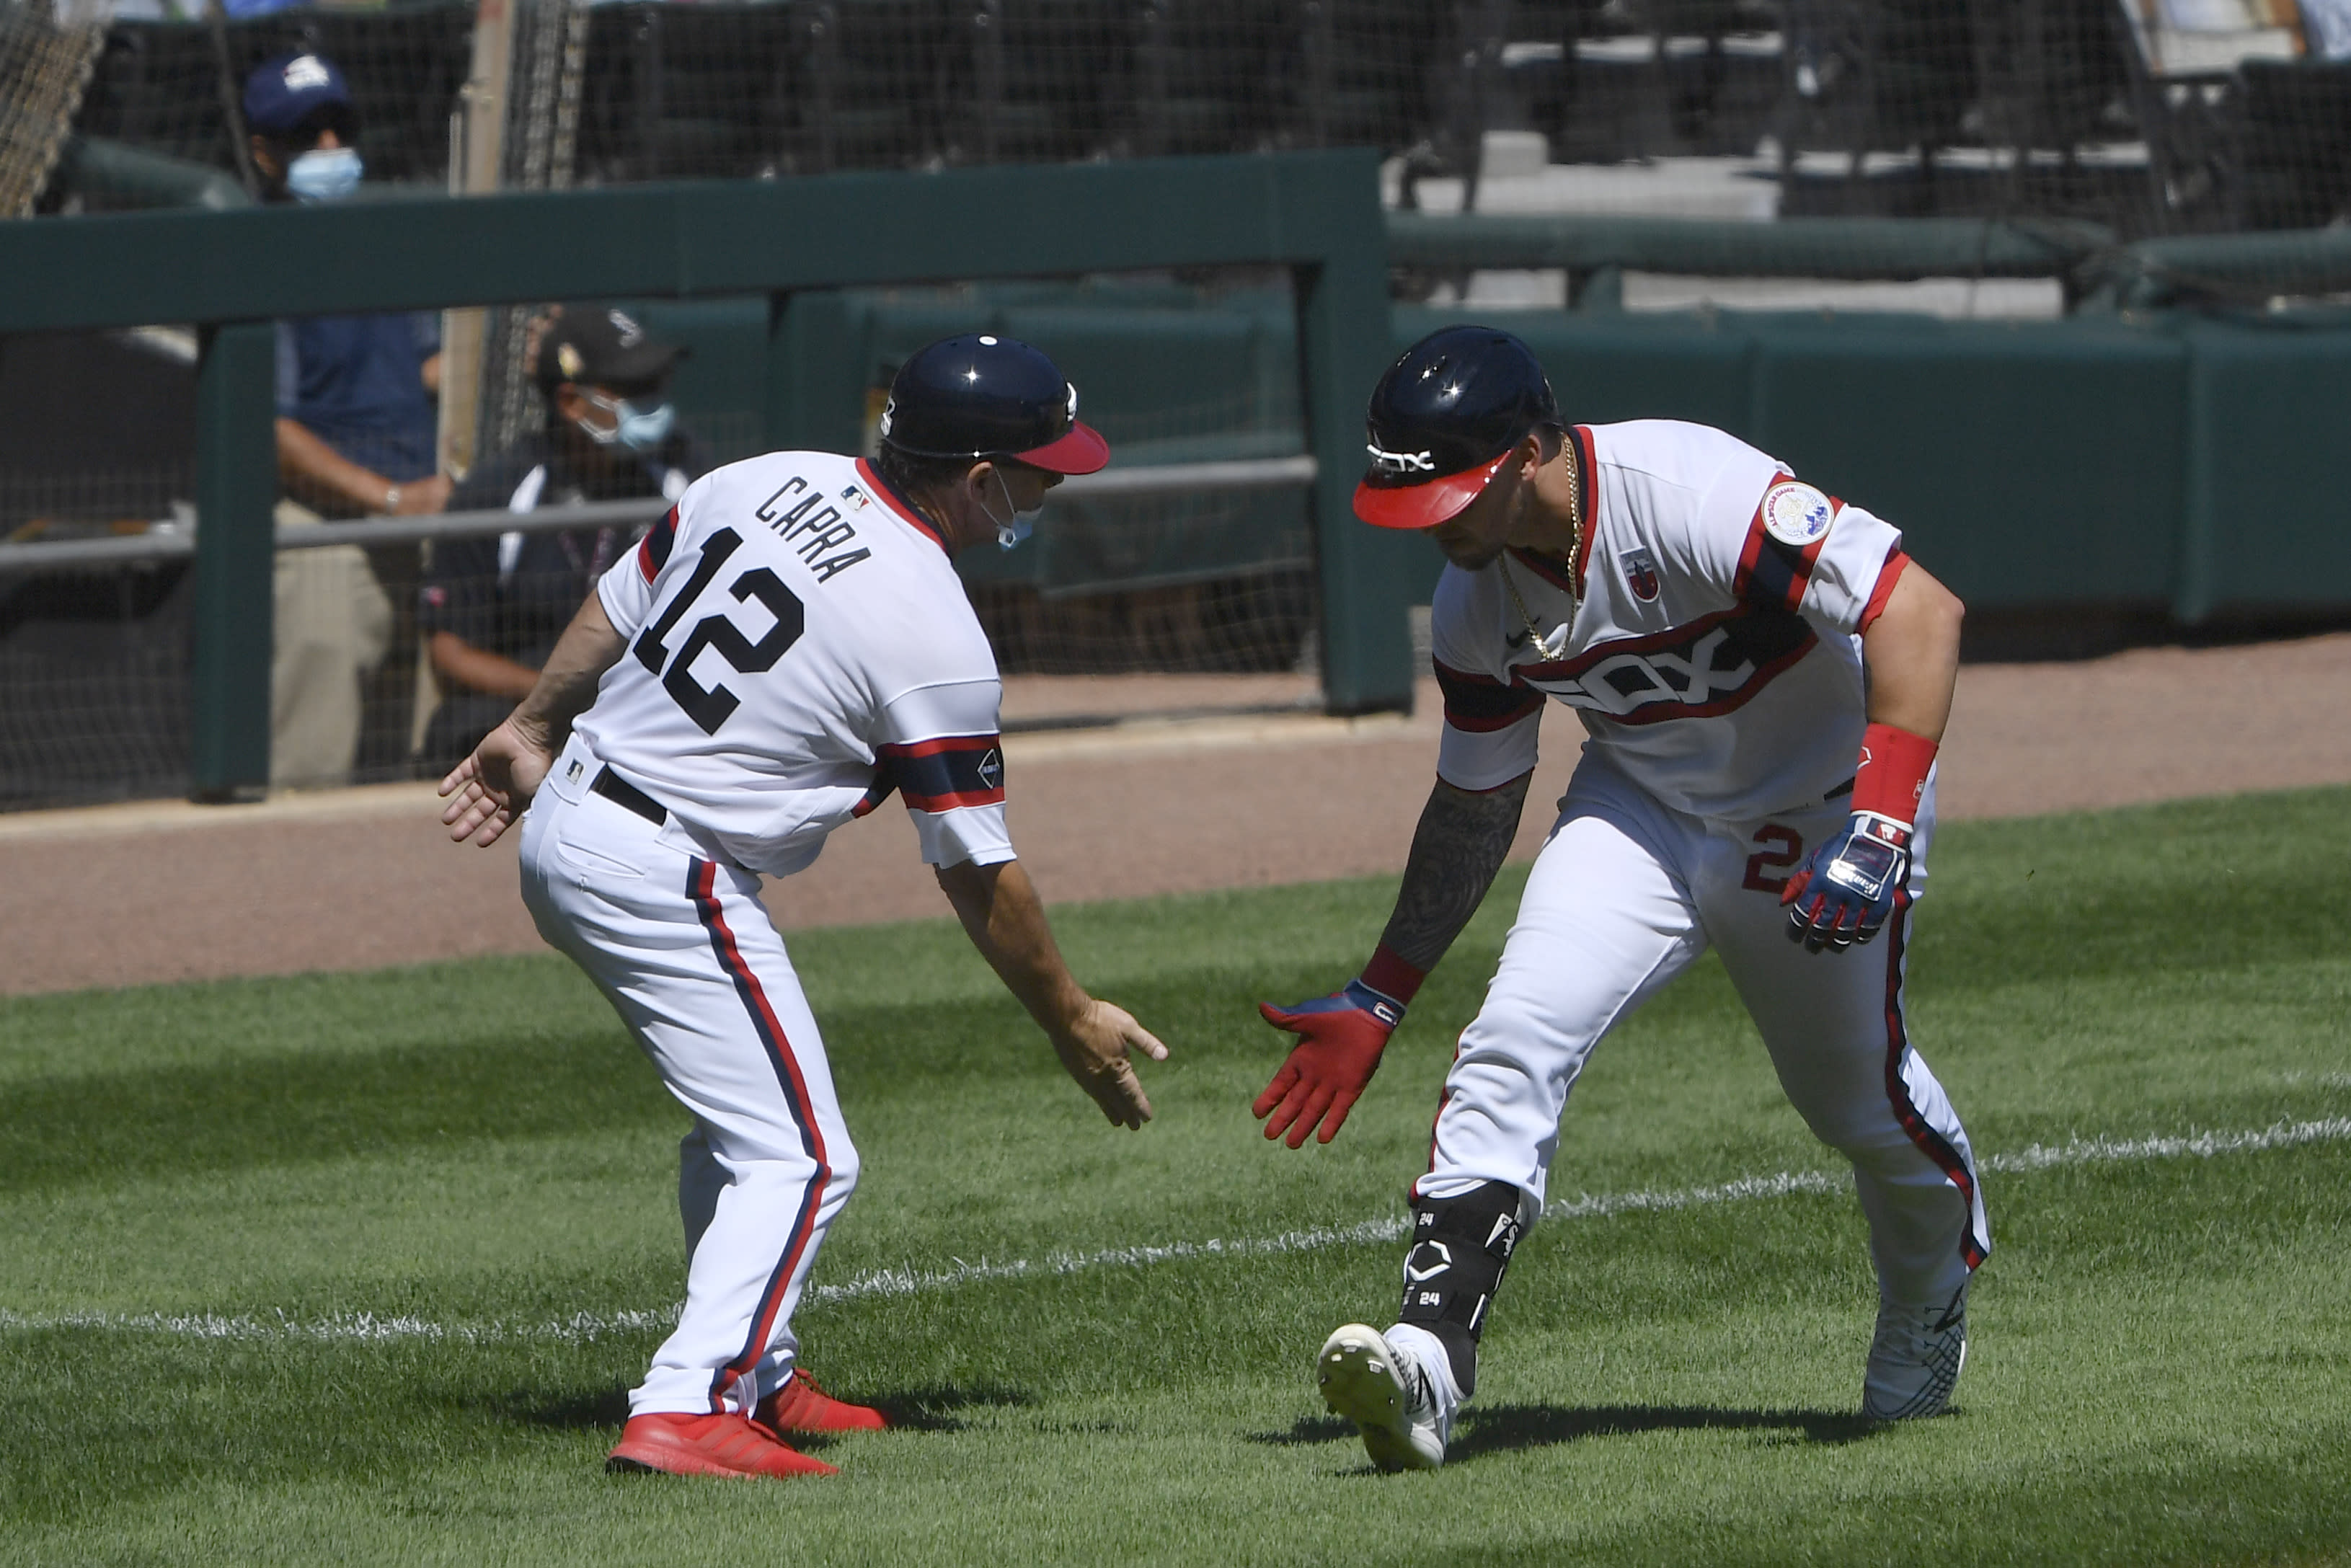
{"points": [[1455, 851]]}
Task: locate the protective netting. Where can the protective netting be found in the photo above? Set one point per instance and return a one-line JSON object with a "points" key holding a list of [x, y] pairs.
{"points": [[2075, 133], [2155, 116], [46, 51]]}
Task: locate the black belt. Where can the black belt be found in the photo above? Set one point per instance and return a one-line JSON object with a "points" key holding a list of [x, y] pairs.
{"points": [[620, 792]]}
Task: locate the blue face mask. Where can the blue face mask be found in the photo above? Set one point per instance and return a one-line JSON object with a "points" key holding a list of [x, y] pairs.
{"points": [[637, 429], [1022, 525], [324, 174]]}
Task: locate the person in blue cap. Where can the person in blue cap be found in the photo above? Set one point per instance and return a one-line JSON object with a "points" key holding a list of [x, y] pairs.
{"points": [[356, 423], [357, 436]]}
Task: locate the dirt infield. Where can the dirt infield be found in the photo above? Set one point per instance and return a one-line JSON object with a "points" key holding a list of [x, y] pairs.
{"points": [[357, 879]]}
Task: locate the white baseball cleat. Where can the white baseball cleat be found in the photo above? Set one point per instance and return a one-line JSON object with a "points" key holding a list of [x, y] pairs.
{"points": [[1915, 1360], [1387, 1394]]}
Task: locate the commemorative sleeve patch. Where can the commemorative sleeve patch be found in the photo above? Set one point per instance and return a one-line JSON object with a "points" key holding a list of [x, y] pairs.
{"points": [[1796, 515]]}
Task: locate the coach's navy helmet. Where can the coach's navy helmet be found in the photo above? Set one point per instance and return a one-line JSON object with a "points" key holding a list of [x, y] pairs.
{"points": [[978, 395], [1442, 421]]}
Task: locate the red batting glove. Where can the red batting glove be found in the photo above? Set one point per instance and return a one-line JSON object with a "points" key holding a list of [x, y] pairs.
{"points": [[1341, 1039]]}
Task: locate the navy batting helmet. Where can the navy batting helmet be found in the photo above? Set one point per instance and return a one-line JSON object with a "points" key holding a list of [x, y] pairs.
{"points": [[1443, 419], [978, 395]]}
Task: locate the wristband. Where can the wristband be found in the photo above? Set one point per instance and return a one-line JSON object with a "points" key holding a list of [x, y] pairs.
{"points": [[391, 498], [1392, 976], [1379, 1004], [1892, 776], [1386, 984]]}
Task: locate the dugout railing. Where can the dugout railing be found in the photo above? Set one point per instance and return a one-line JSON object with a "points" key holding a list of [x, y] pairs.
{"points": [[233, 274]]}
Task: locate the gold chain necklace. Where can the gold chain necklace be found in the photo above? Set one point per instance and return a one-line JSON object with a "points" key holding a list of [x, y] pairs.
{"points": [[1554, 647]]}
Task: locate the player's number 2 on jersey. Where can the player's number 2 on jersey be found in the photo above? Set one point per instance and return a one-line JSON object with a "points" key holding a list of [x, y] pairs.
{"points": [[710, 705]]}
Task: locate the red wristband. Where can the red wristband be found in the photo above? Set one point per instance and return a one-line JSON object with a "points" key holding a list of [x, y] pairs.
{"points": [[1893, 772], [1391, 976]]}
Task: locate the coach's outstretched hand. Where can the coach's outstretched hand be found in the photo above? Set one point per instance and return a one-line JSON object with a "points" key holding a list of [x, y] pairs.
{"points": [[1097, 1043], [492, 786], [1341, 1037], [1097, 1048]]}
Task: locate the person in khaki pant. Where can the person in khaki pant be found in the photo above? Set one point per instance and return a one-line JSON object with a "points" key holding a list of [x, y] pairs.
{"points": [[334, 624]]}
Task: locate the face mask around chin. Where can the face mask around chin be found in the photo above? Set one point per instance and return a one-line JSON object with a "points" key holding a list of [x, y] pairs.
{"points": [[1022, 525], [637, 429], [324, 174]]}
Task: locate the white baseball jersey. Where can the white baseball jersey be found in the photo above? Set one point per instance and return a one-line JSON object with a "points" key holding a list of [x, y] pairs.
{"points": [[1713, 650], [799, 646]]}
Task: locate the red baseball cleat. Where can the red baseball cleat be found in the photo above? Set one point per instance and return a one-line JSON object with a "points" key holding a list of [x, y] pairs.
{"points": [[681, 1445], [799, 1405]]}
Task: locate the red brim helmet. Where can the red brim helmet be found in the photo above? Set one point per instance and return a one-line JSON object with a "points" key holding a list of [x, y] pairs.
{"points": [[1082, 451], [1444, 420], [981, 395], [1425, 504]]}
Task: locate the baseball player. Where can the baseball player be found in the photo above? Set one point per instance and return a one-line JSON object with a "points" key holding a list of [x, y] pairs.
{"points": [[1762, 676], [788, 647]]}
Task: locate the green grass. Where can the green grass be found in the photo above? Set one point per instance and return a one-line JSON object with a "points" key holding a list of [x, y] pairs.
{"points": [[2160, 1370]]}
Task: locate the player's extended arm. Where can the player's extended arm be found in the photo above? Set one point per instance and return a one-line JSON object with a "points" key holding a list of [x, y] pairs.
{"points": [[1006, 920], [1456, 852], [492, 786], [1846, 890]]}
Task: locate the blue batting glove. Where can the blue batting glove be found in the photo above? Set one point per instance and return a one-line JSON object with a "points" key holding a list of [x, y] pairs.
{"points": [[1846, 892]]}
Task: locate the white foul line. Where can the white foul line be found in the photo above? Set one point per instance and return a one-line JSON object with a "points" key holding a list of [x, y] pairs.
{"points": [[582, 1328]]}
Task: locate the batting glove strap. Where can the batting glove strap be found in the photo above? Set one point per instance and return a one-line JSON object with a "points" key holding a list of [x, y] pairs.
{"points": [[1379, 1004], [1846, 893]]}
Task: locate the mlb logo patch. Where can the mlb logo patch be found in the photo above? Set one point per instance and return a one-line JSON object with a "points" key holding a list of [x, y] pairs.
{"points": [[855, 497], [1640, 574]]}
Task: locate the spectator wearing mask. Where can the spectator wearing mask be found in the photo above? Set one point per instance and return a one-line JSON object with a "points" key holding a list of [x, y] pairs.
{"points": [[356, 423], [356, 431], [491, 607]]}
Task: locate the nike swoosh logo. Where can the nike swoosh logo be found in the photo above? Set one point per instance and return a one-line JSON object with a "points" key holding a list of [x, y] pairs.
{"points": [[1518, 640]]}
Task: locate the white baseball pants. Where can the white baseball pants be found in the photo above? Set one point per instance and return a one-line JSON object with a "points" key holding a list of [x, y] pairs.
{"points": [[684, 950], [1624, 895]]}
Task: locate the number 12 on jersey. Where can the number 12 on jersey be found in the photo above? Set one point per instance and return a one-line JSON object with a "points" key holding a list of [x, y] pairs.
{"points": [[709, 707]]}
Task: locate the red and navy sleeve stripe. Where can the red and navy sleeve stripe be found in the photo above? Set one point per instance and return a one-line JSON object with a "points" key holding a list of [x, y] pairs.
{"points": [[952, 771], [1773, 574], [1589, 476], [1888, 575], [884, 786], [1479, 705], [653, 553]]}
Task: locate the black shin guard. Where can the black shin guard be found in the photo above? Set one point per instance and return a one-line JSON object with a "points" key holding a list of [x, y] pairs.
{"points": [[1459, 1248]]}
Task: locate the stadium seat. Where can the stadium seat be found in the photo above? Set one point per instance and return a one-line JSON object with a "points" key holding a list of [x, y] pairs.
{"points": [[1206, 76], [867, 76], [1364, 75], [682, 92], [1032, 79]]}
